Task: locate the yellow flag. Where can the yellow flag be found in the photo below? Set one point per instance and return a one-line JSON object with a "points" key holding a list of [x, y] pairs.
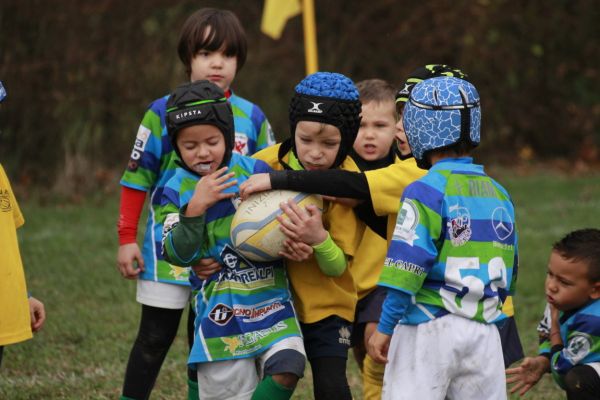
{"points": [[275, 15]]}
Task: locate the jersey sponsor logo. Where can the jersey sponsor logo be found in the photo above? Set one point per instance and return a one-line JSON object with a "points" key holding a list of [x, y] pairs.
{"points": [[459, 225], [344, 336], [578, 348], [141, 139], [257, 312], [221, 314], [245, 343], [407, 222], [179, 273], [315, 108], [5, 200], [241, 143], [241, 274], [479, 188], [502, 223], [405, 266]]}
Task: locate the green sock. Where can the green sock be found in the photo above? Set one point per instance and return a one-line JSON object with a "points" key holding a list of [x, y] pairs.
{"points": [[193, 390], [268, 389]]}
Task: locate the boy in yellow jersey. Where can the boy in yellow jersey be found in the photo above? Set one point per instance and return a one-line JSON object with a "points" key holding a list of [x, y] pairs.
{"points": [[372, 150], [382, 187], [324, 119], [19, 316]]}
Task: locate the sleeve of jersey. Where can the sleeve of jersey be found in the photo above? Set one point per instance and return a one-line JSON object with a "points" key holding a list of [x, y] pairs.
{"points": [[413, 252], [145, 161], [331, 182], [331, 259], [130, 208], [393, 309], [582, 345]]}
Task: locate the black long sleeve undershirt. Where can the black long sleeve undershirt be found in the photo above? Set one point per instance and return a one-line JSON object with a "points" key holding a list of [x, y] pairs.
{"points": [[337, 183], [330, 182]]}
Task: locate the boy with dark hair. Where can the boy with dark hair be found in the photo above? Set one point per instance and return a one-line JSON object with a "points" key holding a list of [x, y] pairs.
{"points": [[570, 330], [246, 326], [452, 259], [212, 46]]}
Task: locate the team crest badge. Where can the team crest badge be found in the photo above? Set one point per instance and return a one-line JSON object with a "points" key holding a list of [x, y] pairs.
{"points": [[578, 347], [407, 222], [459, 225]]}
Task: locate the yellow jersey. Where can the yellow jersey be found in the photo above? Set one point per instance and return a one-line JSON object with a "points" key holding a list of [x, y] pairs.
{"points": [[316, 295], [15, 323]]}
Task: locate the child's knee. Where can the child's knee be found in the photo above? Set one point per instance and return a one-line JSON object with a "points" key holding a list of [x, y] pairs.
{"points": [[582, 379], [286, 379]]}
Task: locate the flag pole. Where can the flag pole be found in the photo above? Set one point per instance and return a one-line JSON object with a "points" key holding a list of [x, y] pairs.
{"points": [[310, 36]]}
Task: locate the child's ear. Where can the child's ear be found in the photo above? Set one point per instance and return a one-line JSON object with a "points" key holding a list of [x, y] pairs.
{"points": [[595, 294]]}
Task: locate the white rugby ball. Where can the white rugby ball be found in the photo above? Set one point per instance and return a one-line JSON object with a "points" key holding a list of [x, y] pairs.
{"points": [[255, 230]]}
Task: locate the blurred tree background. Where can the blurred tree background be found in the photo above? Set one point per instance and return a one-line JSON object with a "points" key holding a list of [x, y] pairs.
{"points": [[79, 74]]}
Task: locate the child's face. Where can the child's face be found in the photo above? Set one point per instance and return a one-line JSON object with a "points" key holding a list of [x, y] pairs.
{"points": [[317, 144], [202, 148], [377, 130], [567, 284], [401, 140], [214, 66]]}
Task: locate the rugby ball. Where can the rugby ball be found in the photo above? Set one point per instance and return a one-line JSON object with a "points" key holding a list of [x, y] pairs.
{"points": [[255, 230]]}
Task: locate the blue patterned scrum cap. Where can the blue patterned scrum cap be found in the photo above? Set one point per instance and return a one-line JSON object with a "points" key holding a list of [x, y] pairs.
{"points": [[329, 98], [441, 112]]}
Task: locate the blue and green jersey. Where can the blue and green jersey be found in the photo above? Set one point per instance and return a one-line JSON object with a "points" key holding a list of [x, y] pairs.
{"points": [[580, 334], [246, 307], [152, 164], [454, 248]]}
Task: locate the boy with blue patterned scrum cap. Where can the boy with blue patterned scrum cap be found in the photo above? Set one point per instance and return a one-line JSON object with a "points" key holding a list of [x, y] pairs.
{"points": [[451, 261], [570, 330], [324, 120], [246, 326], [212, 45]]}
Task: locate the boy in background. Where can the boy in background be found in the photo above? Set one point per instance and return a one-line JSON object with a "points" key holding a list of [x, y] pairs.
{"points": [[570, 331], [452, 258], [372, 150], [245, 326], [20, 313], [212, 45], [324, 121]]}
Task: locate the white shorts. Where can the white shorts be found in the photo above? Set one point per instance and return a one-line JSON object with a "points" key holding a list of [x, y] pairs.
{"points": [[237, 379], [162, 295], [450, 357]]}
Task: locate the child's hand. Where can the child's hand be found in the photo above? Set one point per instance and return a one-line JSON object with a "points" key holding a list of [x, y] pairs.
{"points": [[378, 346], [206, 267], [38, 314], [127, 255], [526, 375], [303, 225], [296, 251], [209, 190], [255, 183]]}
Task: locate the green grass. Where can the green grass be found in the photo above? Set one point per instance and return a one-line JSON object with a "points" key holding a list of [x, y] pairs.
{"points": [[69, 255]]}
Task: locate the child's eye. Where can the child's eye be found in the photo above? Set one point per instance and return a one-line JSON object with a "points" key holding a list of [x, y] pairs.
{"points": [[203, 53]]}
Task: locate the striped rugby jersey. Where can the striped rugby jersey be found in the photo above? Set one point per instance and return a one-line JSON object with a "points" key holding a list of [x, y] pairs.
{"points": [[454, 247], [580, 334], [152, 164], [246, 307]]}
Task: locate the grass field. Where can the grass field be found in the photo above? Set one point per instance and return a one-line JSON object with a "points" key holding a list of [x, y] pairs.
{"points": [[69, 255]]}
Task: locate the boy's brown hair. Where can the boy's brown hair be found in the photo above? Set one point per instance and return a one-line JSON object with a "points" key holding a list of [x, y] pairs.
{"points": [[582, 245], [376, 90], [226, 32]]}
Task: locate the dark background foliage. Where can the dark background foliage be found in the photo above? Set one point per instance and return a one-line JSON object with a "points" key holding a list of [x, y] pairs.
{"points": [[79, 74]]}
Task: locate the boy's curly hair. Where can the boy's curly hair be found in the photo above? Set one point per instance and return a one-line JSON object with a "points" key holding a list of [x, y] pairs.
{"points": [[582, 245]]}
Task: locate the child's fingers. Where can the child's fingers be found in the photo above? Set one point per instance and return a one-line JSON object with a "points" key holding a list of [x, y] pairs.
{"points": [[224, 178], [291, 212]]}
